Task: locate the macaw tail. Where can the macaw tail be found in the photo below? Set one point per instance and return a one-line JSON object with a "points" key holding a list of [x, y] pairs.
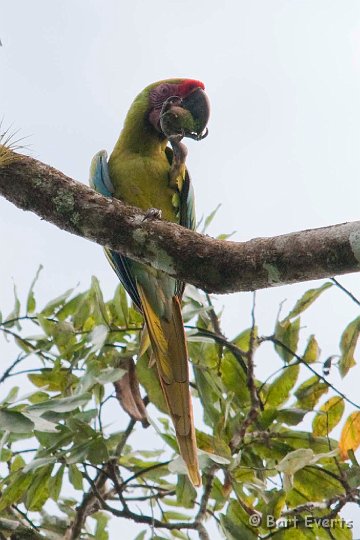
{"points": [[168, 342]]}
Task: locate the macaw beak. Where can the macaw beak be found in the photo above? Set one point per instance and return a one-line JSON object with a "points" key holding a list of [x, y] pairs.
{"points": [[186, 117], [197, 103]]}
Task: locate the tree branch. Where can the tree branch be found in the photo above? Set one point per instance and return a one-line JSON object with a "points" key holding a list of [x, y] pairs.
{"points": [[213, 265]]}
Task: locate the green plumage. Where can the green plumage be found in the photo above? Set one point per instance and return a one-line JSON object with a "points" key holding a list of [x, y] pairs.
{"points": [[143, 172]]}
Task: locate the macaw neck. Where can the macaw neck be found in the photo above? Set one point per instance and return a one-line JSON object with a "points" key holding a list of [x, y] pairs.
{"points": [[138, 135]]}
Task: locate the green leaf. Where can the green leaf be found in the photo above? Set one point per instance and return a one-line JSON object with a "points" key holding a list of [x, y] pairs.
{"points": [[234, 379], [15, 312], [78, 453], [98, 337], [5, 454], [215, 446], [71, 307], [312, 351], [328, 417], [55, 380], [30, 302], [314, 484], [179, 534], [40, 423], [75, 477], [304, 439], [121, 305], [65, 338], [55, 483], [148, 378], [275, 504], [102, 520], [204, 383], [348, 343], [279, 390], [141, 535], [61, 405], [350, 435], [287, 333], [46, 324], [243, 339], [307, 299], [38, 492], [292, 416], [17, 464], [236, 523], [218, 494], [210, 218], [54, 304], [15, 422], [98, 452], [185, 492], [11, 396], [95, 287], [16, 489], [109, 375], [309, 392], [225, 236], [178, 516], [38, 463], [295, 460]]}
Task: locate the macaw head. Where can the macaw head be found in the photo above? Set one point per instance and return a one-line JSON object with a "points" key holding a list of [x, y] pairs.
{"points": [[178, 107]]}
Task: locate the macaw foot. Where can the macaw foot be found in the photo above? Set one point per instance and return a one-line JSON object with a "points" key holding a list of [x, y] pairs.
{"points": [[178, 163], [152, 213], [172, 117]]}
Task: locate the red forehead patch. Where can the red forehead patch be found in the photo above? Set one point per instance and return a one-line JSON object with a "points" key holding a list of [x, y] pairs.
{"points": [[188, 85]]}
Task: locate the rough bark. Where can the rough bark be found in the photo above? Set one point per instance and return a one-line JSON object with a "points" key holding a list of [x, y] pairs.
{"points": [[213, 265]]}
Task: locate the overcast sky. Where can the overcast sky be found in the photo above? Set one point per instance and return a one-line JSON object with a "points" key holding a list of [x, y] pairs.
{"points": [[283, 152]]}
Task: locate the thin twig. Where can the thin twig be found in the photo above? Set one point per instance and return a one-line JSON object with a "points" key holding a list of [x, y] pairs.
{"points": [[345, 290], [7, 372], [276, 341], [254, 398], [149, 520], [84, 509]]}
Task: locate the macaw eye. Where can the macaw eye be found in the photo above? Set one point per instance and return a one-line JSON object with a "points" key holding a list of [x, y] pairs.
{"points": [[163, 90]]}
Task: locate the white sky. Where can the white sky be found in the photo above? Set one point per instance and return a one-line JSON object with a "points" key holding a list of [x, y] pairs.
{"points": [[283, 154]]}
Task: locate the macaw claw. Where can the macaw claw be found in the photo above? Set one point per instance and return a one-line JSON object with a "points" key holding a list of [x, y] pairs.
{"points": [[152, 213], [198, 136]]}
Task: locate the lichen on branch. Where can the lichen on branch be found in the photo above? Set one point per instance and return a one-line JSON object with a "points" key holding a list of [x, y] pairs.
{"points": [[216, 266]]}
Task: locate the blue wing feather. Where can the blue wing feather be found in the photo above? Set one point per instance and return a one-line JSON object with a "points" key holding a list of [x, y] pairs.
{"points": [[101, 182], [99, 174]]}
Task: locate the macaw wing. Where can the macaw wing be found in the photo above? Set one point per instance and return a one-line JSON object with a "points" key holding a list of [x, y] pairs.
{"points": [[187, 211], [101, 182]]}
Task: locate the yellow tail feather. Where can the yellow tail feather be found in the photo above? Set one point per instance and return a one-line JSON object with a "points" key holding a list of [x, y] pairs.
{"points": [[144, 342], [168, 342]]}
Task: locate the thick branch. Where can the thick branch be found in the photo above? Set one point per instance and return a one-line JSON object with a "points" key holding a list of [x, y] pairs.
{"points": [[213, 265]]}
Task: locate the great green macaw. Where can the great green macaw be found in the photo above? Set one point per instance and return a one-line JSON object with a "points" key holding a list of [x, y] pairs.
{"points": [[144, 171]]}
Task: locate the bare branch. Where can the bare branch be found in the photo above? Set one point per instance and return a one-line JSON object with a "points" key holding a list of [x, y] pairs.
{"points": [[251, 384], [88, 504], [213, 265]]}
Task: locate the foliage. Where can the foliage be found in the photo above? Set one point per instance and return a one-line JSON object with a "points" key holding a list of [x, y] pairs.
{"points": [[261, 469]]}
